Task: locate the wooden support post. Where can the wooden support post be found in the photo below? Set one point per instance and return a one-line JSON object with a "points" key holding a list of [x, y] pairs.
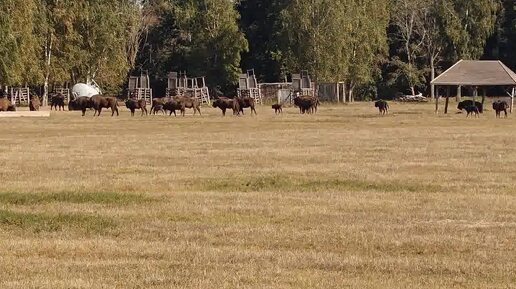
{"points": [[459, 93], [436, 99], [447, 100], [484, 93], [338, 92], [475, 93], [512, 98]]}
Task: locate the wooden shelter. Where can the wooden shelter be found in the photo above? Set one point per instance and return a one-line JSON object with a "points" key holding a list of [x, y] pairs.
{"points": [[478, 74], [248, 86], [179, 84], [139, 87]]}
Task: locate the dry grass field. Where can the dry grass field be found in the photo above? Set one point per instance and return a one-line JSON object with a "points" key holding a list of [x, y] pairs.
{"points": [[343, 199]]}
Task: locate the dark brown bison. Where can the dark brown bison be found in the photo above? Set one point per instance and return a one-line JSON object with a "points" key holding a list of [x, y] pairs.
{"points": [[157, 105], [246, 102], [134, 104], [383, 106], [188, 102], [35, 103], [81, 103], [278, 108], [172, 105], [463, 104], [307, 104], [500, 106], [99, 102], [471, 110], [6, 105], [225, 103], [57, 100]]}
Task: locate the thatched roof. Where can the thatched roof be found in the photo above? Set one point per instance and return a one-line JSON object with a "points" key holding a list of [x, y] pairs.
{"points": [[477, 73]]}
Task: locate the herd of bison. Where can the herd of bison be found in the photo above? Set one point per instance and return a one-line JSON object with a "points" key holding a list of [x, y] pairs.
{"points": [[169, 105]]}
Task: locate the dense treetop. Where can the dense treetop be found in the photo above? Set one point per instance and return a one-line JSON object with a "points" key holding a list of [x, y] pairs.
{"points": [[391, 45]]}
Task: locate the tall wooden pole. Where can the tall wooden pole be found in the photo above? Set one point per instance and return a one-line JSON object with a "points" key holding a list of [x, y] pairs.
{"points": [[447, 100], [459, 93], [512, 98], [436, 99]]}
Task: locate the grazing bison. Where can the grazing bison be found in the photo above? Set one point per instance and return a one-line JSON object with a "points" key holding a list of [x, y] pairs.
{"points": [[188, 102], [246, 102], [35, 103], [277, 108], [172, 105], [6, 105], [157, 105], [499, 106], [307, 104], [225, 102], [57, 100], [463, 104], [134, 104], [99, 102], [81, 103], [383, 106]]}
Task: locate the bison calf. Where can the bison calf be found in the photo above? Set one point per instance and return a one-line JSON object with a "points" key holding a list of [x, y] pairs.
{"points": [[277, 108], [383, 106]]}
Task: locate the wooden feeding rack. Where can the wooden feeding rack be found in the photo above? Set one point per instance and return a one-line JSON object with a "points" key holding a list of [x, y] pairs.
{"points": [[139, 87], [63, 89], [302, 83], [19, 95], [248, 86], [179, 84]]}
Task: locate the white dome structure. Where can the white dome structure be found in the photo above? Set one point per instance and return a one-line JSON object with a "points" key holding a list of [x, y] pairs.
{"points": [[83, 89]]}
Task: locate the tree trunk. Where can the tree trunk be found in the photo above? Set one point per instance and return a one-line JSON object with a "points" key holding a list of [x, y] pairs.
{"points": [[432, 77], [48, 60]]}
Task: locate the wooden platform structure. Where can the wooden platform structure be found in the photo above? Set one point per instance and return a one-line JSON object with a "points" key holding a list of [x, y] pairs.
{"points": [[139, 87], [248, 86], [19, 95], [62, 88], [179, 84], [477, 74], [302, 83]]}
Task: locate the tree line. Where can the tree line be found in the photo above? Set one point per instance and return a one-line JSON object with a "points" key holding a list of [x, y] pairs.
{"points": [[373, 46]]}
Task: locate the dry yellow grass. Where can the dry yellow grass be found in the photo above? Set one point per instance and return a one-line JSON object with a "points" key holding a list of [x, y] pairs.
{"points": [[343, 199]]}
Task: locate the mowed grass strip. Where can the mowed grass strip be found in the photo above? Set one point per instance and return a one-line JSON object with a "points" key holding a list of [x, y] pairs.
{"points": [[289, 183], [103, 198], [47, 222]]}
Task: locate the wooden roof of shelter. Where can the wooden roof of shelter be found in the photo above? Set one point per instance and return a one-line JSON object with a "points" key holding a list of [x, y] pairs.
{"points": [[477, 73]]}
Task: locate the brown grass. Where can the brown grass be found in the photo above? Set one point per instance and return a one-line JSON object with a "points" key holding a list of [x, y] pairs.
{"points": [[344, 199]]}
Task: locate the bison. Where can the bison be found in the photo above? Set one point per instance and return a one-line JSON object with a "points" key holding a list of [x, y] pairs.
{"points": [[35, 103], [57, 100], [172, 105], [6, 105], [225, 102], [463, 104], [472, 109], [134, 104], [80, 103], [499, 106], [383, 106], [306, 104], [246, 102], [277, 108], [157, 105], [188, 102], [99, 102]]}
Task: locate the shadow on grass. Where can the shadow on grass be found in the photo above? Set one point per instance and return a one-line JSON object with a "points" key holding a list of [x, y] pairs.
{"points": [[42, 222], [280, 183], [72, 197]]}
